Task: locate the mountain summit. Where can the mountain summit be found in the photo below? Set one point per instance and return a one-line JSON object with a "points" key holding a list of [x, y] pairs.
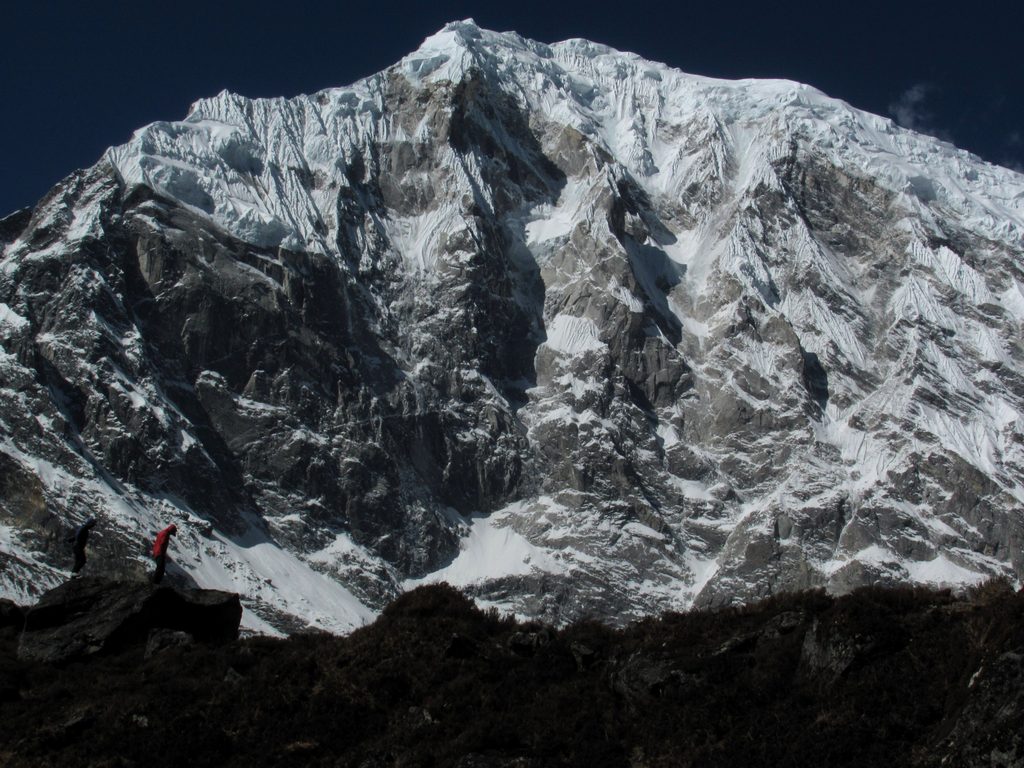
{"points": [[574, 331]]}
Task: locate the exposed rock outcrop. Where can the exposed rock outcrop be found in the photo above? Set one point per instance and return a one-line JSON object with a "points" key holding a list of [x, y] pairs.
{"points": [[86, 616]]}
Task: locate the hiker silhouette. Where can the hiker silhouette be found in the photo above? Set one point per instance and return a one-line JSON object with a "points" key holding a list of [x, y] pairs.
{"points": [[78, 540]]}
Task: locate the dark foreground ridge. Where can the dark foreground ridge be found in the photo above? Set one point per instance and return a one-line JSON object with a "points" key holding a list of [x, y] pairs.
{"points": [[894, 677], [86, 616]]}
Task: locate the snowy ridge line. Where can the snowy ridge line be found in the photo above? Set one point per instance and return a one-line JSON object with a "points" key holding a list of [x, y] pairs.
{"points": [[257, 196]]}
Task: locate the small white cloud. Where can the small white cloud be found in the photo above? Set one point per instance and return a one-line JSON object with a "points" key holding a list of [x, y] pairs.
{"points": [[909, 111]]}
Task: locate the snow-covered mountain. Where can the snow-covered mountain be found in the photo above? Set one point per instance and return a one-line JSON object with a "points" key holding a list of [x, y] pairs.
{"points": [[575, 331]]}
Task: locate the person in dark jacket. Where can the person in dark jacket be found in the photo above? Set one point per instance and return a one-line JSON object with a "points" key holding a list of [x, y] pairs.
{"points": [[78, 540], [160, 544]]}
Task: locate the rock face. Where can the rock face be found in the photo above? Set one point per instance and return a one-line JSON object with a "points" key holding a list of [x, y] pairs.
{"points": [[570, 329], [87, 615]]}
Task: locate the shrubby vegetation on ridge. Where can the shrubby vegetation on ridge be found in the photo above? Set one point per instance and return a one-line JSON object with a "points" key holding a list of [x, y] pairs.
{"points": [[886, 677]]}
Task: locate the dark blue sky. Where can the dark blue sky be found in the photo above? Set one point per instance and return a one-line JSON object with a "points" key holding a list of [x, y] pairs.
{"points": [[78, 77]]}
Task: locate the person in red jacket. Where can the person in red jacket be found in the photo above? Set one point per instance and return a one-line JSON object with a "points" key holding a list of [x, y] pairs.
{"points": [[160, 544]]}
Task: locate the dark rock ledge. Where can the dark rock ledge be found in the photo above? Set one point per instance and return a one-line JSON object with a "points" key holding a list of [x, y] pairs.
{"points": [[86, 616]]}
